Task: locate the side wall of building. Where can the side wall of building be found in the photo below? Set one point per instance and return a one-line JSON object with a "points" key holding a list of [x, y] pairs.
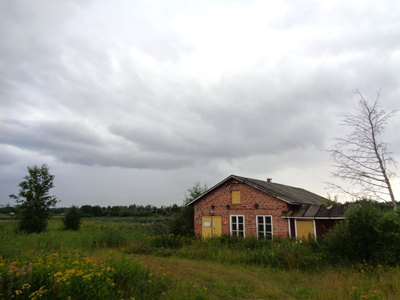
{"points": [[219, 203], [322, 226]]}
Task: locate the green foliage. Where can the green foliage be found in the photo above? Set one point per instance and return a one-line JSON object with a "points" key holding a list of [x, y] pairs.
{"points": [[71, 276], [46, 266], [183, 223], [278, 253], [72, 219], [115, 235], [195, 192], [168, 241], [368, 233], [33, 199], [217, 268]]}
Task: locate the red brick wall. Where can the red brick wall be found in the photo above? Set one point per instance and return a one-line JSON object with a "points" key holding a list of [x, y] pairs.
{"points": [[221, 197]]}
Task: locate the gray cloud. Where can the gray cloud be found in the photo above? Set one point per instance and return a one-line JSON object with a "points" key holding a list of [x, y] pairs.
{"points": [[126, 86]]}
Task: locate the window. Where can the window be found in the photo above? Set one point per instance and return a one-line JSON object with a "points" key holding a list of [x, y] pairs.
{"points": [[235, 197], [237, 226], [264, 226]]}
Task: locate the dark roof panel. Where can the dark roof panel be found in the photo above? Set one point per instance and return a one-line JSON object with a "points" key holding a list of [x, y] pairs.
{"points": [[290, 194], [324, 211], [337, 211], [312, 210], [316, 211], [300, 211]]}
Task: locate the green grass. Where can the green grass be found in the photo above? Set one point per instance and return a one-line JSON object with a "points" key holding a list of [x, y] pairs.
{"points": [[147, 265]]}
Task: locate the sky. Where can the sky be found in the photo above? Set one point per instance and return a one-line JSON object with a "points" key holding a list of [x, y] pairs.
{"points": [[132, 102]]}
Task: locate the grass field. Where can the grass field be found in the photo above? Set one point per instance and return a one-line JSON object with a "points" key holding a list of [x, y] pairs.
{"points": [[130, 261]]}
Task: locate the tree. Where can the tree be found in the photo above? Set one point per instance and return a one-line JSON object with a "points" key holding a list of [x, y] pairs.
{"points": [[183, 223], [96, 210], [87, 211], [72, 219], [361, 159], [195, 192], [33, 199]]}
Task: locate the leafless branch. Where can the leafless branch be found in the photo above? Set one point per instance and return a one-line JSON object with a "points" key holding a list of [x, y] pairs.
{"points": [[360, 160]]}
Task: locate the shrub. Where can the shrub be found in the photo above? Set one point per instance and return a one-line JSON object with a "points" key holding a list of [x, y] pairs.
{"points": [[367, 233], [72, 219], [183, 223], [160, 227]]}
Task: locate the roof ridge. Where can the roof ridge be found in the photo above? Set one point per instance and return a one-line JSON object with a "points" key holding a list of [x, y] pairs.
{"points": [[286, 193]]}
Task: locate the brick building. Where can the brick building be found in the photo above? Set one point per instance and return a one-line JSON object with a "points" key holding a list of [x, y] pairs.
{"points": [[249, 207]]}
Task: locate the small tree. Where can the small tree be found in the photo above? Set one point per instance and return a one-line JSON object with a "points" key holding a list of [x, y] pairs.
{"points": [[72, 219], [33, 199], [195, 192], [183, 223], [361, 159]]}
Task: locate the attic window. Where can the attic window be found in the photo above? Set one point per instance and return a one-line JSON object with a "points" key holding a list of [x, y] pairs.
{"points": [[235, 197]]}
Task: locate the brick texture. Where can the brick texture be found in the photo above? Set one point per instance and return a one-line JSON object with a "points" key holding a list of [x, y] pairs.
{"points": [[221, 197]]}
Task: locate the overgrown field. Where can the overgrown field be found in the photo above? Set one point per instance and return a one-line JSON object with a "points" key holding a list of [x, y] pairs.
{"points": [[131, 261]]}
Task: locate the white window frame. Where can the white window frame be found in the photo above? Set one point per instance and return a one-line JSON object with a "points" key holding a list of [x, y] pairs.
{"points": [[264, 223], [237, 230]]}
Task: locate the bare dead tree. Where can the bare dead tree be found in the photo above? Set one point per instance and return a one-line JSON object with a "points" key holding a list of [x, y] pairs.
{"points": [[360, 159]]}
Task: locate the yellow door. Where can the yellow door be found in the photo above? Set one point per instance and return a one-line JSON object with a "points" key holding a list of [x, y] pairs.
{"points": [[206, 225], [211, 226], [216, 226], [304, 228]]}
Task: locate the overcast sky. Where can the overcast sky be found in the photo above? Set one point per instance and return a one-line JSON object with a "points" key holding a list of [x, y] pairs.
{"points": [[132, 102]]}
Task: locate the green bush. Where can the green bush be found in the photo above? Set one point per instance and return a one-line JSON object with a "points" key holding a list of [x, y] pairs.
{"points": [[183, 223], [72, 219], [368, 233]]}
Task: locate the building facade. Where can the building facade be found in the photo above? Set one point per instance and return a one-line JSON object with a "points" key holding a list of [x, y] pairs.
{"points": [[249, 207]]}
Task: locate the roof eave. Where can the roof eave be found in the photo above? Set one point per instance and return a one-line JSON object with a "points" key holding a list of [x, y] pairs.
{"points": [[213, 188], [314, 218]]}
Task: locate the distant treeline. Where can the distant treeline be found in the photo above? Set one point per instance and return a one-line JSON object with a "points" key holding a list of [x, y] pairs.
{"points": [[109, 211]]}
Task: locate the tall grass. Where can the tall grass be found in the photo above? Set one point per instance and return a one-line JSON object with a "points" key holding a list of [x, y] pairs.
{"points": [[294, 268], [87, 264], [92, 236], [278, 253]]}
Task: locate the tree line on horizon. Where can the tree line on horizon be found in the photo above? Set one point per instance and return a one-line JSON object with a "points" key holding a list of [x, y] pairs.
{"points": [[88, 211]]}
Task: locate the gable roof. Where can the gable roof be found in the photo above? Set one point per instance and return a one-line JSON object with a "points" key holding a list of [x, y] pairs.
{"points": [[288, 194]]}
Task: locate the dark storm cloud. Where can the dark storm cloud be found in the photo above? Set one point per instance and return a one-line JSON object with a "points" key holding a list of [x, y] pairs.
{"points": [[172, 88], [66, 140]]}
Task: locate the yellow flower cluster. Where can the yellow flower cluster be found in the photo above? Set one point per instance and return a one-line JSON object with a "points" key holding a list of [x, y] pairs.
{"points": [[62, 275], [356, 294], [38, 294]]}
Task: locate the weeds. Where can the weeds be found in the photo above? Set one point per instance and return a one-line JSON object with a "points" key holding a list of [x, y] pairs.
{"points": [[46, 266], [68, 275]]}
